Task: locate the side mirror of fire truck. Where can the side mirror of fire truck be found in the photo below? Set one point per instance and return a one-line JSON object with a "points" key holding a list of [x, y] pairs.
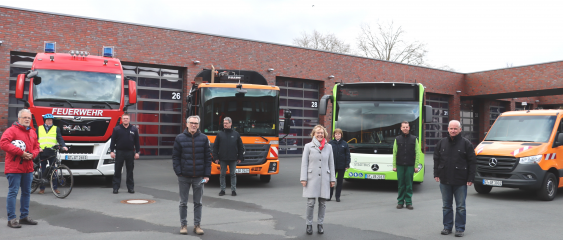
{"points": [[286, 122], [20, 85], [132, 92]]}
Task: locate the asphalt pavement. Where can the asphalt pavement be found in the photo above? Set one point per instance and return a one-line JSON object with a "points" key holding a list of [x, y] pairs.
{"points": [[276, 210]]}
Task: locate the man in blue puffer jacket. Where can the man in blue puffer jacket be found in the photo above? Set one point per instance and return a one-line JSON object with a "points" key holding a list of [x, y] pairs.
{"points": [[191, 159]]}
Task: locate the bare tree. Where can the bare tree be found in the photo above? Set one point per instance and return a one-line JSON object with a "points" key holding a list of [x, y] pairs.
{"points": [[327, 42], [509, 65], [386, 42]]}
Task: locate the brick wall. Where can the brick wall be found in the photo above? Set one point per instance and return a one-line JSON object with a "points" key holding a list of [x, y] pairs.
{"points": [[25, 31]]}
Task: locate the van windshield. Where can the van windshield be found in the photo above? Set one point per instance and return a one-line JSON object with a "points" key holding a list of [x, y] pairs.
{"points": [[522, 129]]}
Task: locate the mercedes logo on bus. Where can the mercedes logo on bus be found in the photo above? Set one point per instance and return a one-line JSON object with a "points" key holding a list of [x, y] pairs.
{"points": [[374, 167], [493, 162]]}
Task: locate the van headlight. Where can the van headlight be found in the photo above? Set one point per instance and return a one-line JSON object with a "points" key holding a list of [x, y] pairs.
{"points": [[531, 159]]}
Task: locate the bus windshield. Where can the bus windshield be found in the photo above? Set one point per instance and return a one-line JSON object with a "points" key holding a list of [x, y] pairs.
{"points": [[78, 86], [254, 113], [522, 129], [374, 125]]}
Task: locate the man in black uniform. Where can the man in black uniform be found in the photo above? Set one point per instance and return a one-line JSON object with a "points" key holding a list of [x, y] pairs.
{"points": [[228, 151], [124, 147], [454, 168]]}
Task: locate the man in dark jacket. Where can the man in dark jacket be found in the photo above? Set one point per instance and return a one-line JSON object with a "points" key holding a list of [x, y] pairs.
{"points": [[454, 168], [125, 143], [191, 160], [406, 155], [341, 153], [228, 151]]}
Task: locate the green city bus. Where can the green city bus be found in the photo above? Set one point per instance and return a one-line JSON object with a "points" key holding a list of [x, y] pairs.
{"points": [[370, 116]]}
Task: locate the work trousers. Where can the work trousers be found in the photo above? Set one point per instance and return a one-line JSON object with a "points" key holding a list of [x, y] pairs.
{"points": [[185, 183], [121, 157], [232, 168], [404, 178], [339, 180], [310, 210], [15, 182]]}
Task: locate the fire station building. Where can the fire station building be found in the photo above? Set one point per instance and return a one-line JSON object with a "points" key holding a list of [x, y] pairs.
{"points": [[165, 61]]}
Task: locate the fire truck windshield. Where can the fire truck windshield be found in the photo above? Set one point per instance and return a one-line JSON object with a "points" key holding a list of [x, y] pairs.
{"points": [[78, 86], [253, 112]]}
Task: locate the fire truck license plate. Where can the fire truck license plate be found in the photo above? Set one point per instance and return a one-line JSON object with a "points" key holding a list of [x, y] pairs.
{"points": [[242, 170], [375, 177], [492, 183], [75, 157]]}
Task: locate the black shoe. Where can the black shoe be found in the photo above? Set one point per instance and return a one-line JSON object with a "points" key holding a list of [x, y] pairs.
{"points": [[446, 232], [328, 200], [320, 229], [27, 221], [338, 199], [131, 191], [410, 207], [458, 234], [309, 229], [14, 224], [400, 206], [221, 193], [233, 193], [115, 191]]}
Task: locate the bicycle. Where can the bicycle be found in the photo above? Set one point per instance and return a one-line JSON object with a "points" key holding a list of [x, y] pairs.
{"points": [[59, 174]]}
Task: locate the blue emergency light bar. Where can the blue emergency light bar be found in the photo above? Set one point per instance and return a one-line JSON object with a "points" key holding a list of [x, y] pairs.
{"points": [[108, 51], [50, 47]]}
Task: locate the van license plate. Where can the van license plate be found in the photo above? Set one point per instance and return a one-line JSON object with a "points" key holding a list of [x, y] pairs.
{"points": [[242, 170], [75, 157], [375, 176], [492, 183]]}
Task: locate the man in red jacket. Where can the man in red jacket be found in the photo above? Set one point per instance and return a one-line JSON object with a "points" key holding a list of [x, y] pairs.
{"points": [[20, 144]]}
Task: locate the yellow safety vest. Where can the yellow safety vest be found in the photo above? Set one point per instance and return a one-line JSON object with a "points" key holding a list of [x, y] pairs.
{"points": [[47, 140]]}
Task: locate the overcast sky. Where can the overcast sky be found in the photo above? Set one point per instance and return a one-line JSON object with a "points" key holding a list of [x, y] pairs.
{"points": [[468, 36]]}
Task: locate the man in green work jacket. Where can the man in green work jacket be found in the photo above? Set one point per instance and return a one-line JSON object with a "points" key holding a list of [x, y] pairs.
{"points": [[406, 155]]}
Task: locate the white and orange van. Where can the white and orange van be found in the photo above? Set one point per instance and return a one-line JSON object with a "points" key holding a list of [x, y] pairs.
{"points": [[523, 149]]}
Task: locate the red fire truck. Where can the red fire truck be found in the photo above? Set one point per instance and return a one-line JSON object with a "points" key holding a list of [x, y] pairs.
{"points": [[86, 95]]}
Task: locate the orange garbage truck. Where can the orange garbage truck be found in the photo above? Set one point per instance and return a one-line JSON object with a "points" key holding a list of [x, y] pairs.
{"points": [[253, 106]]}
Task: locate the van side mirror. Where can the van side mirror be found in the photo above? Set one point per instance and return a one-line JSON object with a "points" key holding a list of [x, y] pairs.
{"points": [[427, 113], [559, 140]]}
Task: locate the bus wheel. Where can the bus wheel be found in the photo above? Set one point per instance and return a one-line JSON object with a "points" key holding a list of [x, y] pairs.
{"points": [[548, 189], [482, 189], [265, 178]]}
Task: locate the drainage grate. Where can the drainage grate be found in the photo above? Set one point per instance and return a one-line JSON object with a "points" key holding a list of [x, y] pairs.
{"points": [[138, 201]]}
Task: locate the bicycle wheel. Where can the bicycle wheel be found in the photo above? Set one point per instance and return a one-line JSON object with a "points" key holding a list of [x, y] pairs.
{"points": [[62, 181], [36, 181]]}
